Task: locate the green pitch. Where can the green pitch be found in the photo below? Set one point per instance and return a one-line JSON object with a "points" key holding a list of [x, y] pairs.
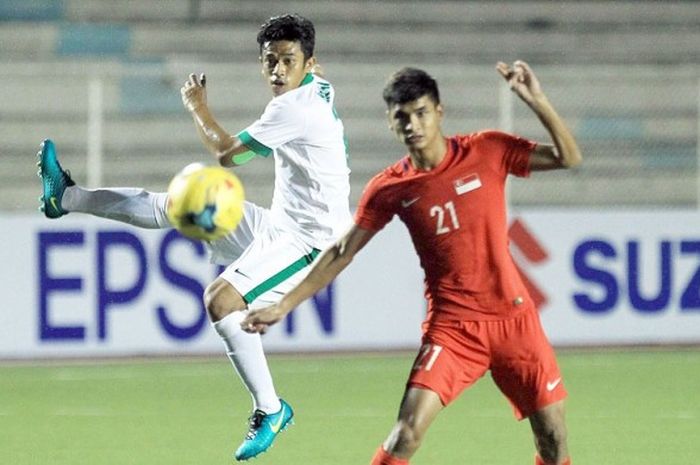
{"points": [[625, 408]]}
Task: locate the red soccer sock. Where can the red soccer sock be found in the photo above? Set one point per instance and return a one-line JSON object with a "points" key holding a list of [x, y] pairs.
{"points": [[382, 457], [539, 461]]}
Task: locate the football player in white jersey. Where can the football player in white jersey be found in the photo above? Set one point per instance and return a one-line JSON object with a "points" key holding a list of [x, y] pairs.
{"points": [[271, 250]]}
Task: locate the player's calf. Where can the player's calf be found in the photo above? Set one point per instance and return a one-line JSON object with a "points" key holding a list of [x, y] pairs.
{"points": [[404, 440], [549, 429]]}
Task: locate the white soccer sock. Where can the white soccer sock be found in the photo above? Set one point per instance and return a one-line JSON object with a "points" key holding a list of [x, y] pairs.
{"points": [[246, 354], [130, 205]]}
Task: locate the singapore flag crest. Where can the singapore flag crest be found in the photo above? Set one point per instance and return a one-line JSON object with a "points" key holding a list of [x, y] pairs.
{"points": [[467, 184]]}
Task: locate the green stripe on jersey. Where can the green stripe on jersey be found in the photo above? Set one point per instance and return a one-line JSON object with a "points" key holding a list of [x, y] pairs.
{"points": [[243, 158], [257, 147], [277, 278]]}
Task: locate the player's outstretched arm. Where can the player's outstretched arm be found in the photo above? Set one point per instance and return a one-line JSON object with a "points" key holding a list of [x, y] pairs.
{"points": [[328, 266], [565, 152], [219, 142]]}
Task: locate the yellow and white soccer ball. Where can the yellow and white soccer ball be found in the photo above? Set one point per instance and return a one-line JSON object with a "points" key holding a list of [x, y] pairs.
{"points": [[205, 202]]}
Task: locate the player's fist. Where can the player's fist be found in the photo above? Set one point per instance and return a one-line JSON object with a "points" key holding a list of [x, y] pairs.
{"points": [[194, 92], [258, 320], [521, 79]]}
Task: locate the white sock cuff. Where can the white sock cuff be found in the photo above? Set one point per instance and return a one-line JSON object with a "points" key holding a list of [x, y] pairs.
{"points": [[160, 205], [230, 324]]}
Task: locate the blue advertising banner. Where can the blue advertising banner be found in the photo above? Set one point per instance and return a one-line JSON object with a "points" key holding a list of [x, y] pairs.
{"points": [[83, 287]]}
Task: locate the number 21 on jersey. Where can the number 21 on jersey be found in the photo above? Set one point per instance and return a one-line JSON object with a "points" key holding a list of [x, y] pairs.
{"points": [[443, 224], [427, 356]]}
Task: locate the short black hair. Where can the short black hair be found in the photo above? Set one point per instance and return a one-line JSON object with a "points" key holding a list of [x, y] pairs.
{"points": [[292, 27], [409, 84]]}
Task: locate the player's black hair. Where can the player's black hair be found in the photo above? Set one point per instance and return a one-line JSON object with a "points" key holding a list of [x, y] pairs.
{"points": [[409, 84], [292, 27]]}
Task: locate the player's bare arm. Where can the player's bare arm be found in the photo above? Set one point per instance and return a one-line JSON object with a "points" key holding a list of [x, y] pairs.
{"points": [[329, 265], [219, 142], [564, 153]]}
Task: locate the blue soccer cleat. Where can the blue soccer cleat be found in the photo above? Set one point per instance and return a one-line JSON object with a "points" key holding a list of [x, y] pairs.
{"points": [[264, 428], [54, 179]]}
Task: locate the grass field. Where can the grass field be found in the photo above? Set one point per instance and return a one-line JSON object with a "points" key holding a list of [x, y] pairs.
{"points": [[625, 408]]}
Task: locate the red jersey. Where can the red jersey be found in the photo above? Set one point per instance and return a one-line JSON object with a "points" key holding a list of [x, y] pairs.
{"points": [[456, 216]]}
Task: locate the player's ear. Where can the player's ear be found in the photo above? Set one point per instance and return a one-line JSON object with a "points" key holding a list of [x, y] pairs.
{"points": [[317, 69], [309, 65]]}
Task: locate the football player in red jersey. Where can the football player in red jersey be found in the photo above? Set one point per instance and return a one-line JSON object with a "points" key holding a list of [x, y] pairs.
{"points": [[449, 191]]}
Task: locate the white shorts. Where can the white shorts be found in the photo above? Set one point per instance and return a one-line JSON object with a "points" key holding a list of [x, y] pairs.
{"points": [[265, 260]]}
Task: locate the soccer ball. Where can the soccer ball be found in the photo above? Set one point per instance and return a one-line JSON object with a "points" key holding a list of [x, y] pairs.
{"points": [[205, 202]]}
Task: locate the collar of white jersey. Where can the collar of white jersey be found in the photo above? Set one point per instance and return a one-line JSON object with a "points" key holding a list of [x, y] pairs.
{"points": [[307, 79]]}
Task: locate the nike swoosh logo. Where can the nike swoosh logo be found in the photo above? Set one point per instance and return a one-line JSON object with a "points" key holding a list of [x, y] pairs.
{"points": [[408, 203], [275, 427], [553, 384], [53, 203]]}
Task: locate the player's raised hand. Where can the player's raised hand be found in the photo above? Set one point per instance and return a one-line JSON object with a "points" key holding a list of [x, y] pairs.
{"points": [[194, 92], [521, 79], [259, 320]]}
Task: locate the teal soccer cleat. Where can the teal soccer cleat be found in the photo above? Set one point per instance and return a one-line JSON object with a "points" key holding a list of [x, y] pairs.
{"points": [[264, 428], [54, 179]]}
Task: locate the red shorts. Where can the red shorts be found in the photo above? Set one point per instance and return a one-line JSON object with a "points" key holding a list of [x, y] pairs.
{"points": [[522, 362]]}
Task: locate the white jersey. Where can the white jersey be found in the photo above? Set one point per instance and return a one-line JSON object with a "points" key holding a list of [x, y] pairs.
{"points": [[302, 130]]}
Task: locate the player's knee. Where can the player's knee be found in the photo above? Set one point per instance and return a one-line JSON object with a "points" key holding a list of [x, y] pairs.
{"points": [[551, 443], [221, 299]]}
